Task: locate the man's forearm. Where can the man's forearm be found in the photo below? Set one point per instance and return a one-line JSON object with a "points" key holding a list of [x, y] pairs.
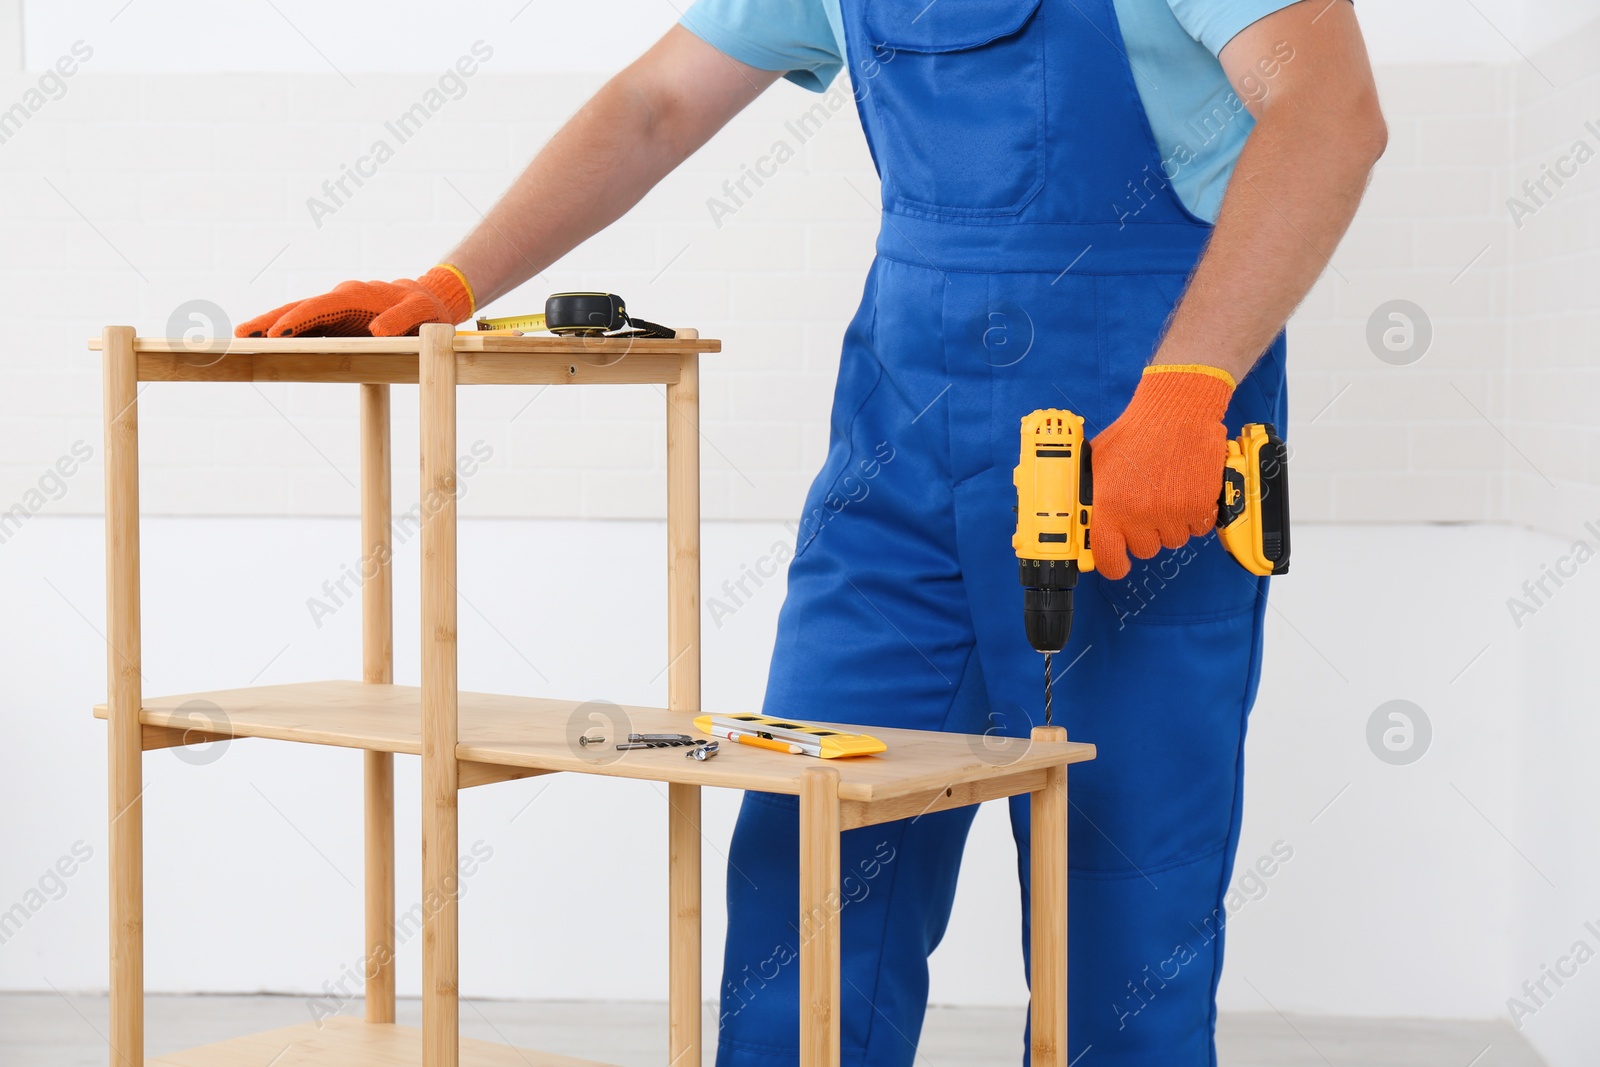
{"points": [[1293, 193], [632, 133], [596, 167]]}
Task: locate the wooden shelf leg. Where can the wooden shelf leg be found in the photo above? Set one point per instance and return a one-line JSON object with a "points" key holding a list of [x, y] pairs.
{"points": [[441, 1009], [125, 697], [378, 785], [819, 917], [377, 654], [683, 535], [683, 946], [683, 694], [1048, 916]]}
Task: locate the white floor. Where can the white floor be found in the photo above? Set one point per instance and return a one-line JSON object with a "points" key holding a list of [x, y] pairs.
{"points": [[60, 1030]]}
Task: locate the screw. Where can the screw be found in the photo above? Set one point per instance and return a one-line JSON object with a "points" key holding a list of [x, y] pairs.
{"points": [[586, 740], [702, 751]]}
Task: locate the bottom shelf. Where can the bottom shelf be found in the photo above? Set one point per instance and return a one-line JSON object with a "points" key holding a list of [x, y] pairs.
{"points": [[351, 1043]]}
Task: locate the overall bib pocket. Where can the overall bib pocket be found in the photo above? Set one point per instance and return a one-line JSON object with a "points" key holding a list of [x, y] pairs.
{"points": [[958, 90]]}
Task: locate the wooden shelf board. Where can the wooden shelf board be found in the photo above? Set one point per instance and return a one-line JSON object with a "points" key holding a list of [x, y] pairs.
{"points": [[351, 1043], [528, 344], [483, 360], [539, 733]]}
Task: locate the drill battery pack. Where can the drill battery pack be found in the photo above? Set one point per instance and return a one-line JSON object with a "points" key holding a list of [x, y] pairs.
{"points": [[1253, 510]]}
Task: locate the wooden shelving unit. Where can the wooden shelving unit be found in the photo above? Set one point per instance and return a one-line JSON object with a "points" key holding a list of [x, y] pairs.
{"points": [[473, 739]]}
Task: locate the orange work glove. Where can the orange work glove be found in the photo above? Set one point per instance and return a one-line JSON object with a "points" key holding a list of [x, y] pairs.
{"points": [[376, 309], [1158, 467]]}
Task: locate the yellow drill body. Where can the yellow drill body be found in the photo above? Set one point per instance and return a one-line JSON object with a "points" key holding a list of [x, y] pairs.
{"points": [[1053, 513]]}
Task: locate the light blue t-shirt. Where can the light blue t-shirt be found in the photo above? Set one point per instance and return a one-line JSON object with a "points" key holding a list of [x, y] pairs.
{"points": [[1199, 122]]}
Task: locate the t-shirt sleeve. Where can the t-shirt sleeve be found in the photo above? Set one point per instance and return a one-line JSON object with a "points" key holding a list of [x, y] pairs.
{"points": [[794, 36], [1216, 22]]}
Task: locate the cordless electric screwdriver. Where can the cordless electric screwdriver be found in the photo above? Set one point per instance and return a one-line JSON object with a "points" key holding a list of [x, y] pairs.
{"points": [[1055, 507]]}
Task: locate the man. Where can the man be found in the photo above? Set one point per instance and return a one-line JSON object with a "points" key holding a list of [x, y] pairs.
{"points": [[1051, 171]]}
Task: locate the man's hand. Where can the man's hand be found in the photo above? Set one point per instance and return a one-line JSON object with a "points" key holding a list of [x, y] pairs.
{"points": [[1158, 468], [377, 309]]}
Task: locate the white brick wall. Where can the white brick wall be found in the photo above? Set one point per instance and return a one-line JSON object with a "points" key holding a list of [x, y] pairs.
{"points": [[1553, 399], [137, 192], [1375, 441], [10, 36]]}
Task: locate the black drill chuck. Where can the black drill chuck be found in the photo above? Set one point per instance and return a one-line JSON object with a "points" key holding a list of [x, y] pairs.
{"points": [[1047, 586]]}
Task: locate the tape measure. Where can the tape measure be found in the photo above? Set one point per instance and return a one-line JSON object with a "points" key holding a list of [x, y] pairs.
{"points": [[580, 315]]}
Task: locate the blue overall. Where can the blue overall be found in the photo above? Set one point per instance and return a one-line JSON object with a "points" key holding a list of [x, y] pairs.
{"points": [[1030, 252]]}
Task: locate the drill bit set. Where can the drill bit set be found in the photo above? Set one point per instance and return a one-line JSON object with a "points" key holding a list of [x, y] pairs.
{"points": [[699, 748]]}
